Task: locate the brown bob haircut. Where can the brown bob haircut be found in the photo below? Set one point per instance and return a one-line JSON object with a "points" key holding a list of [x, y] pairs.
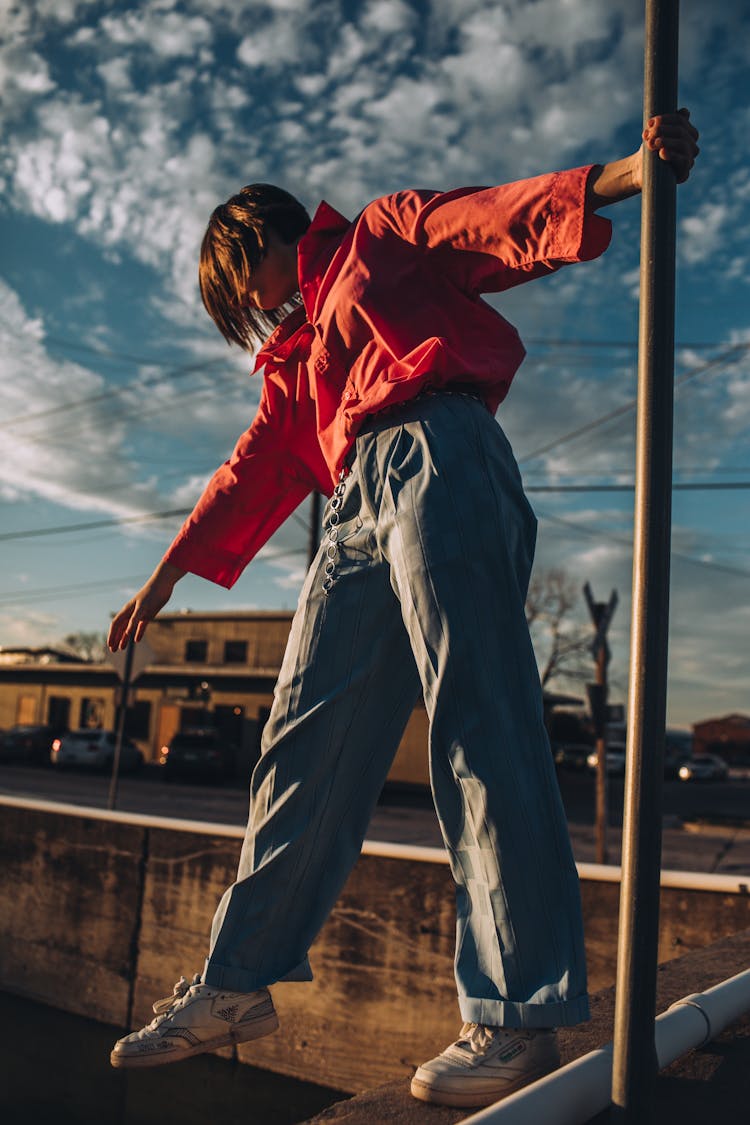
{"points": [[233, 245]]}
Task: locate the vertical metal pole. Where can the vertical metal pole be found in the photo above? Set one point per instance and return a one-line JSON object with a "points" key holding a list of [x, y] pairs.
{"points": [[602, 803], [125, 688], [634, 1062]]}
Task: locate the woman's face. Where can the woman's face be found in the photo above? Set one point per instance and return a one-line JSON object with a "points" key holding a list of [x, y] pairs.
{"points": [[274, 280]]}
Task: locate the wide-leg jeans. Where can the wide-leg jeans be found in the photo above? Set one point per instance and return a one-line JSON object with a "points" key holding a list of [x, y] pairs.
{"points": [[420, 586]]}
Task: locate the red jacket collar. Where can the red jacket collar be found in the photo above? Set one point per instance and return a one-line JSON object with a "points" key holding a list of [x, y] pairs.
{"points": [[314, 253], [316, 249], [291, 334]]}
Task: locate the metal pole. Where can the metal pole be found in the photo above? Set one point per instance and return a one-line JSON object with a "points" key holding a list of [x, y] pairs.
{"points": [[602, 855], [634, 1062], [122, 713]]}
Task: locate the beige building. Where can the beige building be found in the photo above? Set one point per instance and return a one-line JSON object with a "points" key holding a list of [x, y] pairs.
{"points": [[209, 669]]}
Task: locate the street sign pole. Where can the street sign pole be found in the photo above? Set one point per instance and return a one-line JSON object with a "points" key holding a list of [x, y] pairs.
{"points": [[122, 714], [601, 618], [634, 1065]]}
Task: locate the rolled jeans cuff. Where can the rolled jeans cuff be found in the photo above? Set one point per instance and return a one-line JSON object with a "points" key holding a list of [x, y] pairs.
{"points": [[243, 980], [506, 1013]]}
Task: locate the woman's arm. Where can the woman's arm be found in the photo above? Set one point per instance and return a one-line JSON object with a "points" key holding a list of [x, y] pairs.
{"points": [[671, 135]]}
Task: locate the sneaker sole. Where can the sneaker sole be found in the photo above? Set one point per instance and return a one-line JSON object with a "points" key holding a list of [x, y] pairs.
{"points": [[424, 1092], [254, 1028]]}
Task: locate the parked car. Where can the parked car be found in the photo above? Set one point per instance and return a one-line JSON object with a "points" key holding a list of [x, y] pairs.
{"points": [[571, 756], [28, 743], [706, 767], [201, 752], [615, 760], [95, 749]]}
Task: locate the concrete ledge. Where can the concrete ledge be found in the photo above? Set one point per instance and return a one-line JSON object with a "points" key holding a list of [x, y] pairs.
{"points": [[709, 1084], [101, 913]]}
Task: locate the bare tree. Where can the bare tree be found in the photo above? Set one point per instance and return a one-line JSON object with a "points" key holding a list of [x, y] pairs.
{"points": [[89, 646], [562, 646]]}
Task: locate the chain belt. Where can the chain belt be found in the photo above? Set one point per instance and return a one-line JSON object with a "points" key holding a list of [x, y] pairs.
{"points": [[332, 534]]}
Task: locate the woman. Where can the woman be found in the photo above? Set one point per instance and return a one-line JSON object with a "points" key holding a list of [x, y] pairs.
{"points": [[381, 381]]}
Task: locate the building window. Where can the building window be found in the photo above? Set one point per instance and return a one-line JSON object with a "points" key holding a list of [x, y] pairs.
{"points": [[58, 712], [92, 713], [26, 710], [235, 652], [196, 652], [138, 720]]}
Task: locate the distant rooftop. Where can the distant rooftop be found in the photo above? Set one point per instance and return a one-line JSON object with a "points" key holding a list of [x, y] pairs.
{"points": [[38, 656]]}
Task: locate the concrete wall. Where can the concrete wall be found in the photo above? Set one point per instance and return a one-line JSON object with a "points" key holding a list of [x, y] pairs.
{"points": [[100, 917]]}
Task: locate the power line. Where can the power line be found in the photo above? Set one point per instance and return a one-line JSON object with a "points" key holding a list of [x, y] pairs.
{"points": [[592, 533], [76, 588], [608, 345], [683, 486], [57, 591], [89, 526], [179, 372], [627, 407], [106, 353]]}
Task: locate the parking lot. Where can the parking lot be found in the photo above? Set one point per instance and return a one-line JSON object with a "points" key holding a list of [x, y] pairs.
{"points": [[725, 803]]}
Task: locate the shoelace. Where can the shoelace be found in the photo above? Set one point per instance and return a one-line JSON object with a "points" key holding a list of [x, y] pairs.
{"points": [[477, 1036], [162, 1008]]}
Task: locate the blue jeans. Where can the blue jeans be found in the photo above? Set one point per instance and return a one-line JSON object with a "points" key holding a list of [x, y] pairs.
{"points": [[430, 567]]}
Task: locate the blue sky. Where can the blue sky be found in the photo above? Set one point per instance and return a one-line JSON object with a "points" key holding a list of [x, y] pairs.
{"points": [[125, 124]]}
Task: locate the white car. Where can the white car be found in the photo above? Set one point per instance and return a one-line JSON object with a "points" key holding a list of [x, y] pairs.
{"points": [[94, 748]]}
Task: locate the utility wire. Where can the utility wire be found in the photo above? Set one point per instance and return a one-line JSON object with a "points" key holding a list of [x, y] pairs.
{"points": [[592, 533], [38, 531], [607, 345], [720, 360], [179, 371], [115, 392], [684, 486], [20, 597]]}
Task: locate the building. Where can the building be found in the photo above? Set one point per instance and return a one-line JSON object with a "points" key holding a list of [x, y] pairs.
{"points": [[729, 737], [208, 669]]}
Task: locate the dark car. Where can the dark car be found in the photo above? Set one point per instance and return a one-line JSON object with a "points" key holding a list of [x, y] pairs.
{"points": [[572, 756], [28, 743], [615, 760], [704, 767], [201, 753]]}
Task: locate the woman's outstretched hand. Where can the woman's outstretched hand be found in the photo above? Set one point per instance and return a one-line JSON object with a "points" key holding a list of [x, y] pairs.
{"points": [[135, 615]]}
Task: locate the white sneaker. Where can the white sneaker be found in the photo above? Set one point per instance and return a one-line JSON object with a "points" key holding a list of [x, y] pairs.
{"points": [[486, 1064], [194, 1019]]}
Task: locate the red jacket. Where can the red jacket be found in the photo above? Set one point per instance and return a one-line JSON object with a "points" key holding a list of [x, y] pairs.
{"points": [[391, 304]]}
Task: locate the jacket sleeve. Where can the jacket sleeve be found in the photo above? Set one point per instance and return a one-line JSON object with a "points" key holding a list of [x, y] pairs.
{"points": [[506, 235], [244, 503]]}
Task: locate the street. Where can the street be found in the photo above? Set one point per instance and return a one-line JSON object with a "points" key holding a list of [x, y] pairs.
{"points": [[725, 802]]}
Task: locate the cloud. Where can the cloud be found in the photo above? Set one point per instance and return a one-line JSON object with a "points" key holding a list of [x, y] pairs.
{"points": [[168, 34], [87, 458], [704, 232]]}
